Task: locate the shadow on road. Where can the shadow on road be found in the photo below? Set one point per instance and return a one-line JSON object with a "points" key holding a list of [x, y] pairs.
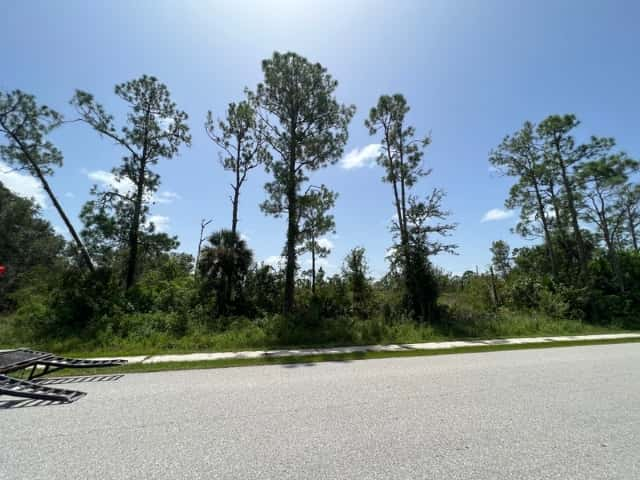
{"points": [[491, 342], [312, 360], [84, 379], [26, 403], [12, 403]]}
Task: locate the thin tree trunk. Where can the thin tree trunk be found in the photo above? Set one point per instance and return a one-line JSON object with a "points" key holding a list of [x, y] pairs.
{"points": [[234, 217], [561, 226], [203, 225], [313, 266], [545, 227], [292, 232], [404, 241], [403, 236], [557, 211], [609, 241], [632, 229], [80, 246], [236, 193], [403, 198], [555, 201], [572, 210], [134, 232], [494, 289], [615, 261]]}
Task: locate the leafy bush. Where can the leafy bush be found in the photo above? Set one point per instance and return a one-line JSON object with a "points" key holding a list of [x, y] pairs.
{"points": [[158, 291]]}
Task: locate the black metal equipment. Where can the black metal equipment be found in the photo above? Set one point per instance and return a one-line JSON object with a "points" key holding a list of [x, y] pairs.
{"points": [[26, 389], [42, 363]]}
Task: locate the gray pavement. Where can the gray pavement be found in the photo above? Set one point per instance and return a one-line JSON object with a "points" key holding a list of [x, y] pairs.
{"points": [[561, 413]]}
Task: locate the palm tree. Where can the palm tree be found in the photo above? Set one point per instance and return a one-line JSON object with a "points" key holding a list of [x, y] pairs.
{"points": [[223, 266]]}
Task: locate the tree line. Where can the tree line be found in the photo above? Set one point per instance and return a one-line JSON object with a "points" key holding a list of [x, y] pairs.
{"points": [[581, 200], [119, 279], [563, 185], [291, 124]]}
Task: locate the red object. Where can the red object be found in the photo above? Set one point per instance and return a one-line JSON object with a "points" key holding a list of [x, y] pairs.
{"points": [[3, 269]]}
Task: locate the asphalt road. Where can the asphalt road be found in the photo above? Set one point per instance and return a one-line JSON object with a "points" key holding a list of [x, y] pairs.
{"points": [[560, 413]]}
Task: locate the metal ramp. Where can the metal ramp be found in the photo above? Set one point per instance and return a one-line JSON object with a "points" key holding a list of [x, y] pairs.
{"points": [[51, 362], [40, 364], [26, 389], [13, 360]]}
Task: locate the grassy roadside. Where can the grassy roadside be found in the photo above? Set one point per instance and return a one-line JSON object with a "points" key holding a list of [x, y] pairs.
{"points": [[251, 337], [346, 357], [148, 335]]}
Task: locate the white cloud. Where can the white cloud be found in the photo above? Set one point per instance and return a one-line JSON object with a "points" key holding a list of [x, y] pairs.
{"points": [[497, 214], [321, 262], [361, 157], [62, 231], [325, 243], [389, 253], [108, 179], [244, 237], [69, 195], [124, 186], [166, 197], [165, 122], [159, 221], [22, 184], [548, 210], [276, 261]]}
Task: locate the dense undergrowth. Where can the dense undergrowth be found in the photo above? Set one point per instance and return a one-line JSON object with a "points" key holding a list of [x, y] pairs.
{"points": [[171, 309], [157, 332]]}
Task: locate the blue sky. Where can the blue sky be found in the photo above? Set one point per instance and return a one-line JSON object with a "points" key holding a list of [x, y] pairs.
{"points": [[472, 72]]}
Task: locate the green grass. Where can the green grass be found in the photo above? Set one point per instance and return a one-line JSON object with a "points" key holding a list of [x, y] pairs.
{"points": [[346, 357], [264, 334]]}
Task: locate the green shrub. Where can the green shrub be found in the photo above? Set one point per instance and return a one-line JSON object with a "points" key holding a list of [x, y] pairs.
{"points": [[553, 304]]}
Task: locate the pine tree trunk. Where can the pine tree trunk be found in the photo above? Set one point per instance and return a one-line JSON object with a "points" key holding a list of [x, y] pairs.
{"points": [[403, 200], [568, 188], [292, 233], [396, 196], [203, 224], [545, 227], [561, 227], [234, 215], [80, 246], [134, 232], [313, 266], [236, 193], [76, 238], [494, 289], [632, 229], [615, 261], [609, 242]]}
